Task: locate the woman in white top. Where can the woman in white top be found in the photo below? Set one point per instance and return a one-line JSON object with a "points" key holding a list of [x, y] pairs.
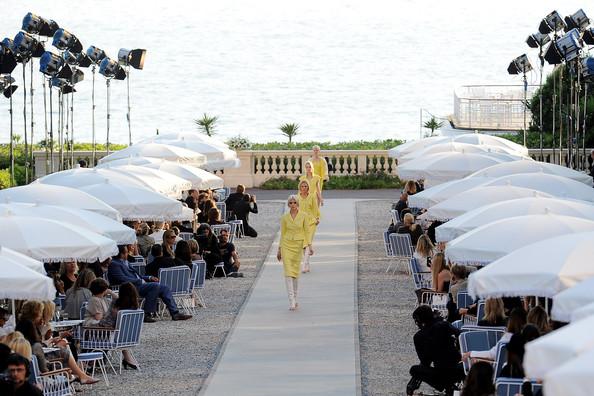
{"points": [[424, 250]]}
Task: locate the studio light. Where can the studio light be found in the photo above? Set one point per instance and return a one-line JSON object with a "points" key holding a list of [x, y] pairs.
{"points": [[50, 64], [95, 54], [588, 68], [63, 85], [566, 48], [111, 69], [7, 60], [134, 58], [579, 21], [7, 86], [27, 46], [551, 23], [64, 40], [35, 24], [588, 36], [537, 40], [520, 65], [80, 59]]}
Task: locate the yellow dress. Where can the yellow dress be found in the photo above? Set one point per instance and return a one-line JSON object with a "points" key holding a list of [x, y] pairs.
{"points": [[315, 184], [294, 237], [320, 168], [310, 207]]}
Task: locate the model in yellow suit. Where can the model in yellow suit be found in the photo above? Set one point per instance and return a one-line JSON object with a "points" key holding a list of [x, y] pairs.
{"points": [[294, 237], [314, 182], [320, 166], [309, 205]]}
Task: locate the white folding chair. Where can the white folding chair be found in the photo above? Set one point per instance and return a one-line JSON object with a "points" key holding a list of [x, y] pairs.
{"points": [[401, 248]]}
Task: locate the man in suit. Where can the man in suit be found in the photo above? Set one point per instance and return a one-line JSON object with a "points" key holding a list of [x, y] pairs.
{"points": [[148, 286]]}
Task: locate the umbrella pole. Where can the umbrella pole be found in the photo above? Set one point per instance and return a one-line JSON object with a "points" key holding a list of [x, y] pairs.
{"points": [[13, 313]]}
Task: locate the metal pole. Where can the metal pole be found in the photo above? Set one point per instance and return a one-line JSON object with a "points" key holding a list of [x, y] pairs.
{"points": [[561, 116], [93, 117], [12, 179], [72, 127], [585, 161], [46, 130], [554, 159], [32, 120], [525, 104], [25, 122], [128, 115], [540, 103], [60, 128], [51, 130], [107, 82]]}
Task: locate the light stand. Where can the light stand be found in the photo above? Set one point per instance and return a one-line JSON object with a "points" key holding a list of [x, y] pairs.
{"points": [[127, 58], [110, 69], [521, 65], [93, 117], [25, 121], [107, 84], [128, 96], [525, 102], [12, 179]]}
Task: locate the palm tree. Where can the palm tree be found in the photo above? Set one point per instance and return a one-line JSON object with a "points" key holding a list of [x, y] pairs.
{"points": [[289, 130], [207, 124], [433, 124]]}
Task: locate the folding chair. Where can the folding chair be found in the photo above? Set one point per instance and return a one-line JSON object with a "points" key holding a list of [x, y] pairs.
{"points": [[222, 207], [500, 360], [473, 339], [513, 386], [217, 228], [53, 383], [395, 216], [401, 248], [421, 279], [387, 245], [437, 301], [139, 265], [186, 236], [200, 281], [480, 313], [178, 281], [238, 228]]}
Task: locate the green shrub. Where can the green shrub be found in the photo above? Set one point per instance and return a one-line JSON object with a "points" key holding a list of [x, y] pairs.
{"points": [[354, 145], [4, 178], [378, 180]]}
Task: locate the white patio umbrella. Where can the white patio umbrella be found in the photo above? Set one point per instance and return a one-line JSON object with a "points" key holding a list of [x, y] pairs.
{"points": [[58, 195], [11, 257], [560, 346], [217, 156], [156, 180], [542, 268], [572, 378], [200, 179], [78, 177], [138, 203], [158, 150], [416, 145], [479, 138], [491, 241], [18, 282], [451, 146], [436, 194], [442, 167], [583, 312], [475, 198], [515, 167], [102, 225], [577, 296], [52, 241], [185, 135], [557, 186], [506, 209]]}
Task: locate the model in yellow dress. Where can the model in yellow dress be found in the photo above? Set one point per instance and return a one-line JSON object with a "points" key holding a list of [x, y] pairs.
{"points": [[320, 166], [294, 237], [314, 182], [308, 204]]}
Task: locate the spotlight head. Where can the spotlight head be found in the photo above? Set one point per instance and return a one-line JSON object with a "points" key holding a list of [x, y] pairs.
{"points": [[7, 60], [551, 23], [80, 59], [65, 40], [27, 46], [7, 43], [588, 68], [579, 21], [95, 54], [134, 58], [63, 85], [566, 48], [111, 69], [6, 86], [35, 24], [520, 65], [588, 36], [50, 64], [537, 40]]}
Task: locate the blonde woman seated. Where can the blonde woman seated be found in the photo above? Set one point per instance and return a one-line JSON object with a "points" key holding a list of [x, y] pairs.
{"points": [[440, 276], [424, 250], [494, 313], [409, 227]]}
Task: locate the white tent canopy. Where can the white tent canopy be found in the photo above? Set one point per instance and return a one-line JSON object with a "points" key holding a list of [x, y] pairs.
{"points": [[158, 150], [18, 282], [138, 203], [200, 179], [543, 268], [52, 241], [475, 198], [515, 167], [506, 209], [566, 302], [479, 138], [158, 181], [415, 145], [491, 241], [434, 195], [58, 195], [572, 378], [557, 186], [185, 135], [552, 350], [452, 146], [9, 256], [583, 312], [102, 225]]}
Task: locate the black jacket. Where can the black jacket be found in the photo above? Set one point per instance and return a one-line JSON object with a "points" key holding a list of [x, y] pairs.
{"points": [[436, 344]]}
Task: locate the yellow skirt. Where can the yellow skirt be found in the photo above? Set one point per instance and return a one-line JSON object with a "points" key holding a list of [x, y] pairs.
{"points": [[292, 252]]}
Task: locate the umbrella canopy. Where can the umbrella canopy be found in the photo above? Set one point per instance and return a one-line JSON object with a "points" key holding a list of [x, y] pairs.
{"points": [[583, 312], [185, 135], [58, 195], [491, 241], [572, 378], [18, 282], [200, 179], [566, 302], [442, 167], [506, 209], [138, 203], [158, 150], [78, 177], [490, 140], [416, 145], [10, 257], [515, 167], [552, 350], [475, 198], [451, 146], [156, 180], [52, 241], [557, 186], [217, 156], [102, 225], [543, 268], [434, 195]]}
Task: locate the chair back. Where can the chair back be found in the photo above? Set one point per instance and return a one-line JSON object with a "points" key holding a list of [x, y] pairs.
{"points": [[129, 326], [139, 266], [480, 310], [222, 207], [395, 217], [83, 309], [401, 245], [464, 300], [217, 228], [186, 236], [55, 384], [477, 340], [200, 274], [422, 279], [176, 278], [193, 276], [500, 360], [513, 386], [387, 245]]}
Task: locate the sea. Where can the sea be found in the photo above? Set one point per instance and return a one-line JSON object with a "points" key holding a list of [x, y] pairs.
{"points": [[342, 69]]}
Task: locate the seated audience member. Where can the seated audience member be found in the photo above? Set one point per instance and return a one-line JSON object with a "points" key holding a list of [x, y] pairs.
{"points": [[19, 371], [78, 294], [68, 271], [214, 217], [158, 231], [440, 276], [208, 248], [147, 286], [233, 198], [435, 344], [402, 205], [98, 303], [410, 187], [183, 254], [158, 262], [494, 313], [513, 368], [242, 210], [420, 184], [409, 227], [207, 204], [144, 240], [539, 318], [458, 280], [168, 244], [194, 249], [21, 346], [192, 199], [229, 255], [479, 381], [424, 250], [100, 268]]}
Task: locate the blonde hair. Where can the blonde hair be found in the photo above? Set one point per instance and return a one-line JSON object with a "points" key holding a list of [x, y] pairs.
{"points": [[438, 264], [303, 182], [311, 165], [494, 310], [292, 197], [538, 317], [410, 187], [48, 310], [10, 337], [166, 246], [31, 310], [315, 147], [21, 346], [424, 246]]}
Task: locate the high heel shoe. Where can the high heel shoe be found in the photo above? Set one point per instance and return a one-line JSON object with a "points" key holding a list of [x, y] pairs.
{"points": [[129, 365], [90, 381]]}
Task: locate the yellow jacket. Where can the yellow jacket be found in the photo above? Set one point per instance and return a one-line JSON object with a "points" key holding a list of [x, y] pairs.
{"points": [[310, 206], [314, 183], [295, 229], [320, 167]]}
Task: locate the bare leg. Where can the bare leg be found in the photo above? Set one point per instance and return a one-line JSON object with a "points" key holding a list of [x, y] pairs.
{"points": [[77, 370]]}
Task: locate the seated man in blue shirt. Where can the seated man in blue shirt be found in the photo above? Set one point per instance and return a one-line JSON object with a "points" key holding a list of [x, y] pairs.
{"points": [[148, 286]]}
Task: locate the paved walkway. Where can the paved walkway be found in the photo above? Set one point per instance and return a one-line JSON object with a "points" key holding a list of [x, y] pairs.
{"points": [[313, 351]]}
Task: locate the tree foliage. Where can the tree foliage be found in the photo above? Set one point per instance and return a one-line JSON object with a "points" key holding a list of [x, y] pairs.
{"points": [[207, 124], [290, 130]]}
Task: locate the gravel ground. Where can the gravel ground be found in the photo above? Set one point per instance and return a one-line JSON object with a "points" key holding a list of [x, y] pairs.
{"points": [[176, 357], [386, 302]]}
